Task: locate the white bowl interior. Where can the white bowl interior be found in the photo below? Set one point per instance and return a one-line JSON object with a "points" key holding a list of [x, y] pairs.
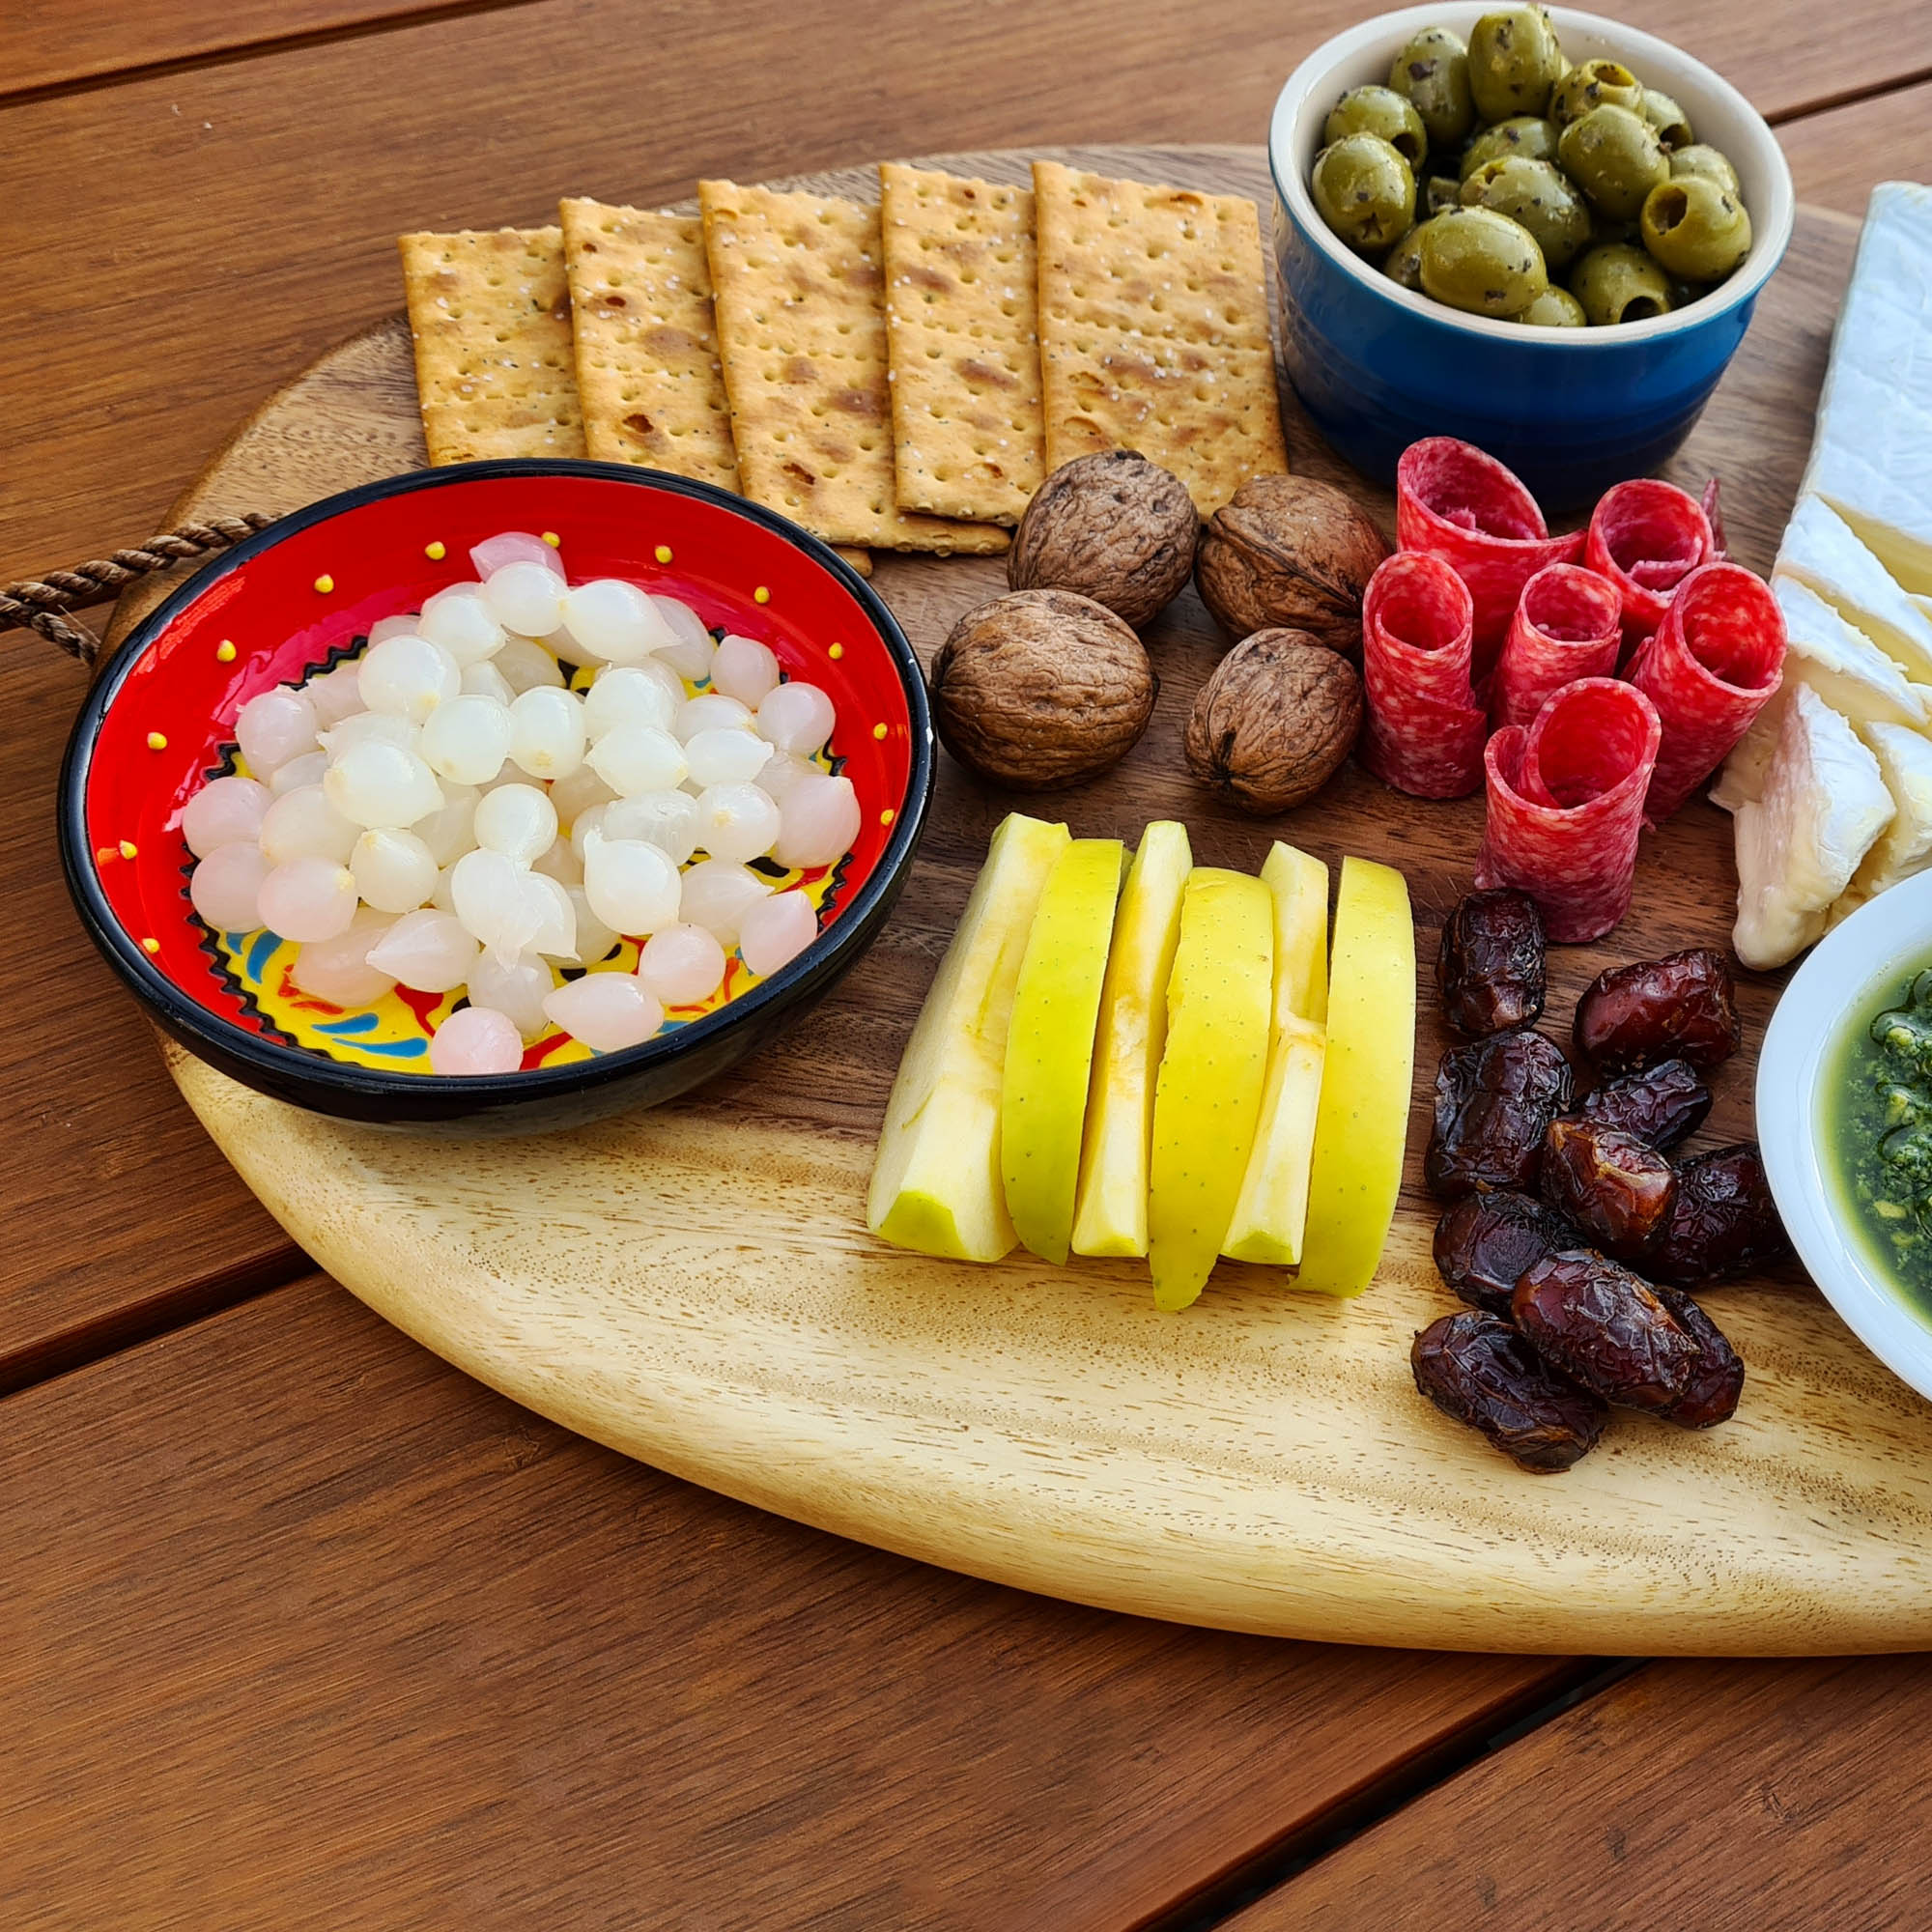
{"points": [[1720, 115], [1880, 943]]}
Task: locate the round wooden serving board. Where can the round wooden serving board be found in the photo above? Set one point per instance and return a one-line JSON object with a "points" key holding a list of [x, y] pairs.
{"points": [[695, 1286]]}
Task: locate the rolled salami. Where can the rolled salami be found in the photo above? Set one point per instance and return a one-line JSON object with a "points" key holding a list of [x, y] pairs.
{"points": [[1464, 506], [1564, 805], [1424, 730], [1711, 666], [1566, 627], [1647, 537]]}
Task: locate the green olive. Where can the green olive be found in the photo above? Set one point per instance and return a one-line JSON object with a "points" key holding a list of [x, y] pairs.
{"points": [[1696, 227], [1380, 110], [1619, 283], [1442, 194], [1612, 154], [1477, 260], [1593, 83], [1520, 134], [1433, 73], [1673, 124], [1403, 263], [1364, 191], [1554, 308], [1514, 61], [1538, 194], [1698, 159]]}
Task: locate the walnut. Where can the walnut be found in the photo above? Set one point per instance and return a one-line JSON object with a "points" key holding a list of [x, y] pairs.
{"points": [[1275, 720], [1041, 689], [1290, 553], [1115, 527]]}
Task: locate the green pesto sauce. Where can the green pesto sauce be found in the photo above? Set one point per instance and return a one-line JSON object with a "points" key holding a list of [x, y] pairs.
{"points": [[1878, 1129]]}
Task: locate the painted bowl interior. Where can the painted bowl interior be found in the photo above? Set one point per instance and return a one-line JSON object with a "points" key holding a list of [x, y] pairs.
{"points": [[164, 714]]}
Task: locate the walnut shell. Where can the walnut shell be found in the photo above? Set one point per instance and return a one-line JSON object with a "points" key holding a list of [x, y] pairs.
{"points": [[1289, 552], [1113, 527], [1041, 689], [1275, 720]]}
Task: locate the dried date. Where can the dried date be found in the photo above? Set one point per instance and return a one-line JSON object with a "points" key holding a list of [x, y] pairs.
{"points": [[1712, 1393], [1495, 1101], [1486, 1242], [1473, 1366], [1723, 1220], [1489, 969], [1607, 1330], [1617, 1189], [1661, 1105], [1679, 1008]]}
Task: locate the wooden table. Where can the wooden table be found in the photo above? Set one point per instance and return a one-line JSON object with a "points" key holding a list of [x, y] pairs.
{"points": [[303, 1628]]}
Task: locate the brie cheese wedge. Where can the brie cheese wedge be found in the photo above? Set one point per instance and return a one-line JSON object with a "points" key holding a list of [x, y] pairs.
{"points": [[1823, 806], [1905, 845], [1823, 552]]}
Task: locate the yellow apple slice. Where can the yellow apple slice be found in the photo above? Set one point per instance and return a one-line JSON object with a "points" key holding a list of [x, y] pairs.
{"points": [[1362, 1122], [1207, 1095], [936, 1182], [1050, 1042], [1273, 1205], [1110, 1217]]}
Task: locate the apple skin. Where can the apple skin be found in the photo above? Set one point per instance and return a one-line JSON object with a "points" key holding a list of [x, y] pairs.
{"points": [[1362, 1122], [1049, 1056], [1112, 1213], [936, 1182], [1207, 1095]]}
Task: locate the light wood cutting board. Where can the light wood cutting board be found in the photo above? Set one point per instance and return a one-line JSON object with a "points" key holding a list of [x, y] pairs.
{"points": [[695, 1286]]}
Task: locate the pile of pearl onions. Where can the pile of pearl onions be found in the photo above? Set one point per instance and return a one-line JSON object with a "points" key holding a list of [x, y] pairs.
{"points": [[776, 930]]}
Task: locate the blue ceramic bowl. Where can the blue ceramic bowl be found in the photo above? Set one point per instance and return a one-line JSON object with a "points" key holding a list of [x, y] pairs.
{"points": [[1571, 410]]}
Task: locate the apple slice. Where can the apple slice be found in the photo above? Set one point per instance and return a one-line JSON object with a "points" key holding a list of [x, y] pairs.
{"points": [[1050, 1042], [1362, 1121], [936, 1183], [1207, 1095], [1273, 1205], [1111, 1217]]}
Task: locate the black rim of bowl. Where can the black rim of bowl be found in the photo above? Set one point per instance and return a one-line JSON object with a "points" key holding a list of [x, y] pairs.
{"points": [[197, 1024]]}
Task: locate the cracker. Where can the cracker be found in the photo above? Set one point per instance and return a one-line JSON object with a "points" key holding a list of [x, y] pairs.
{"points": [[802, 334], [1154, 330], [490, 318], [647, 371], [962, 319]]}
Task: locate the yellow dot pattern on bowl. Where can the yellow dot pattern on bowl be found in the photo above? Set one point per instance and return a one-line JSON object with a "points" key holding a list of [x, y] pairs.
{"points": [[157, 741], [837, 651], [552, 538], [103, 855], [878, 730], [435, 551], [662, 552], [761, 595], [325, 583], [887, 816], [150, 945], [225, 651], [129, 849]]}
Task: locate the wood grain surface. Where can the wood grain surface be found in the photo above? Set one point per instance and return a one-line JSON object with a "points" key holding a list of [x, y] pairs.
{"points": [[1261, 1463], [1838, 158], [1733, 1798], [305, 1629]]}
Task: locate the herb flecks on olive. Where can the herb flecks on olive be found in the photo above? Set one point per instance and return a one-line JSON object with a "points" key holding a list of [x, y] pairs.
{"points": [[1539, 196], [1380, 110], [1591, 84], [1699, 159], [1514, 62], [1673, 124], [1433, 70], [1480, 261], [1526, 134], [1615, 157], [1618, 282], [1403, 263], [1696, 228], [1365, 191]]}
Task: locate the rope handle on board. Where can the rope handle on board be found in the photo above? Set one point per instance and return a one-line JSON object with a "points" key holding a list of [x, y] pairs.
{"points": [[38, 604]]}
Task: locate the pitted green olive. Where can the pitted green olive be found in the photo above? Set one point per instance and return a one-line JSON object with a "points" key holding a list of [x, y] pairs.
{"points": [[1620, 283], [1554, 308], [1593, 83], [1364, 191], [1380, 110], [1673, 124], [1514, 61], [1537, 194], [1480, 261], [1696, 228], [1433, 73], [1699, 159], [1614, 155], [1520, 135], [1403, 263]]}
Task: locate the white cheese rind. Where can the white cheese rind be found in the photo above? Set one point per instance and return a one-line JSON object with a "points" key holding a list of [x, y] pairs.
{"points": [[1822, 551]]}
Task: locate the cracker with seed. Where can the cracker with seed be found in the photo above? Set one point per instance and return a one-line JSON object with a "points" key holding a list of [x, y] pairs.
{"points": [[1154, 330], [490, 319], [961, 309], [802, 335]]}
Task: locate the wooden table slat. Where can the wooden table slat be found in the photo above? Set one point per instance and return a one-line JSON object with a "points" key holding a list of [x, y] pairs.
{"points": [[1838, 158]]}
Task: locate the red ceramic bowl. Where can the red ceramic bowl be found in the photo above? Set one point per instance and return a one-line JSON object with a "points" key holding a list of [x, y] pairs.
{"points": [[159, 722]]}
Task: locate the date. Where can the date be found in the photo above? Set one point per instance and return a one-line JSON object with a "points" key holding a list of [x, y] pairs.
{"points": [[1723, 1220], [1486, 1242], [1607, 1330], [1473, 1366], [1489, 969], [1659, 1105], [1717, 1382], [1613, 1188], [1495, 1101], [1680, 1008]]}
